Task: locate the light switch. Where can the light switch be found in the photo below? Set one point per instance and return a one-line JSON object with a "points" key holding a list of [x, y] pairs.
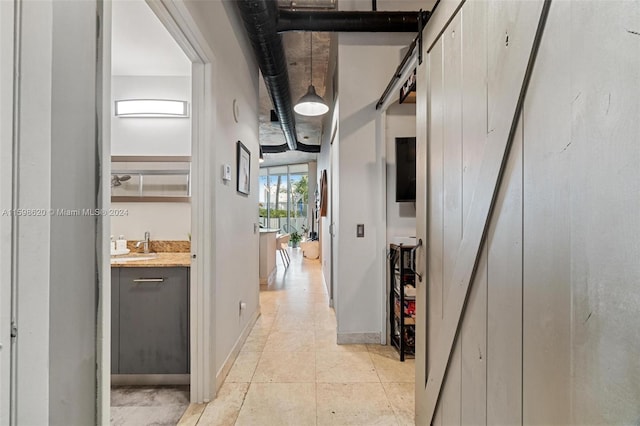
{"points": [[360, 230]]}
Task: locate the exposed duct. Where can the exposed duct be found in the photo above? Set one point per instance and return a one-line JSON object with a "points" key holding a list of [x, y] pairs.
{"points": [[274, 149], [259, 18], [360, 22], [263, 20]]}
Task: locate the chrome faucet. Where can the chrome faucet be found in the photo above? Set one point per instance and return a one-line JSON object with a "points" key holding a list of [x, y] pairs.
{"points": [[146, 241]]}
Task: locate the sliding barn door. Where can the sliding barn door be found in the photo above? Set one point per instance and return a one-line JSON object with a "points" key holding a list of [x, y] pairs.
{"points": [[469, 354], [527, 209]]}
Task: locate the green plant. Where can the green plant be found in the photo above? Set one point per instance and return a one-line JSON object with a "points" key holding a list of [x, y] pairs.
{"points": [[295, 238], [274, 214]]}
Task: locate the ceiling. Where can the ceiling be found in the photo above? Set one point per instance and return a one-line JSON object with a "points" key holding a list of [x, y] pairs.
{"points": [[297, 46], [141, 45]]}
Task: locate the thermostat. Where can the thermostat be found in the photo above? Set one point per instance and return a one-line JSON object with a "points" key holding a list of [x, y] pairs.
{"points": [[226, 172]]}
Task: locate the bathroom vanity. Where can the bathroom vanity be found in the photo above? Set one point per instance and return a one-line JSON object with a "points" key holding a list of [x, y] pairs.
{"points": [[150, 316]]}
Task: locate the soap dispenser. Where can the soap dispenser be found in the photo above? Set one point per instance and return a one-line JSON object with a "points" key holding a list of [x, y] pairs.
{"points": [[121, 243]]}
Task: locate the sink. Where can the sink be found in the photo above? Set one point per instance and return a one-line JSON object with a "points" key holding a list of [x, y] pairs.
{"points": [[134, 257]]}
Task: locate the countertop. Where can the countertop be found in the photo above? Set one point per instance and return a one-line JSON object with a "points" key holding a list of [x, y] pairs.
{"points": [[165, 260], [267, 230]]}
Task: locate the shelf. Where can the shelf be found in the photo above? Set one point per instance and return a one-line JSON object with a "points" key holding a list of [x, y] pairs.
{"points": [[402, 307], [406, 298]]}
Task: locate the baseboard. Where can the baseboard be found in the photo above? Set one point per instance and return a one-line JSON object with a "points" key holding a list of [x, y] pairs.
{"points": [[327, 289], [149, 379], [265, 282], [221, 375], [358, 338]]}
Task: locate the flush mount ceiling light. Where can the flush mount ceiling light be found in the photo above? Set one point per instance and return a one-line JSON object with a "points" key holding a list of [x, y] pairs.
{"points": [[151, 108], [311, 104]]}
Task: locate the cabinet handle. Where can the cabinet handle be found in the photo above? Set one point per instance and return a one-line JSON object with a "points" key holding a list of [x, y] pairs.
{"points": [[149, 280], [412, 262]]}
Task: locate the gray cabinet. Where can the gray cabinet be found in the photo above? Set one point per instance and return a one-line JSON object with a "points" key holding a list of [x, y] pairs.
{"points": [[115, 320], [152, 322]]}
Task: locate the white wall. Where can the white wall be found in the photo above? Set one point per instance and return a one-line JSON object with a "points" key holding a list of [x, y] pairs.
{"points": [[165, 221], [361, 270], [324, 164], [155, 137], [401, 217], [234, 76], [150, 136], [329, 131]]}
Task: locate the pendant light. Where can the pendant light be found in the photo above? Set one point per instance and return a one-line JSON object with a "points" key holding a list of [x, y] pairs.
{"points": [[311, 104]]}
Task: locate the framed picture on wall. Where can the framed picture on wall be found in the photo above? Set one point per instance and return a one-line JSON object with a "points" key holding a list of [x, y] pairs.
{"points": [[244, 169]]}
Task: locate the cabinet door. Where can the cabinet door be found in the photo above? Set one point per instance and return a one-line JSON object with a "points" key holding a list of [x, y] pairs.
{"points": [[154, 315], [115, 320]]}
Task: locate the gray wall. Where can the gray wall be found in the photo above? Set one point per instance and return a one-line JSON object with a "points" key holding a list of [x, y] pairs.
{"points": [[74, 182], [52, 150], [550, 333], [361, 192]]}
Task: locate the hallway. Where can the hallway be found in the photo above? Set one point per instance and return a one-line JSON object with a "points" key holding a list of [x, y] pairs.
{"points": [[290, 370]]}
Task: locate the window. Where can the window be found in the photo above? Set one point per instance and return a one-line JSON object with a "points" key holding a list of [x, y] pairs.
{"points": [[284, 198]]}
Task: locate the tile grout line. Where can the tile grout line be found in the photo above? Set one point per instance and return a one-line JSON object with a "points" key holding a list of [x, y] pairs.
{"points": [[244, 397], [201, 413], [315, 357], [393, 410]]}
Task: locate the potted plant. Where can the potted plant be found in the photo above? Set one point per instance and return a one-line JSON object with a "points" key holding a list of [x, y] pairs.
{"points": [[295, 239]]}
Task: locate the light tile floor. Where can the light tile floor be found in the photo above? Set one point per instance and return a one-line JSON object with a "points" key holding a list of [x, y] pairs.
{"points": [[290, 370]]}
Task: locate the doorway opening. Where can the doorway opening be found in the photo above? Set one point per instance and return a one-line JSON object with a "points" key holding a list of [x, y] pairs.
{"points": [[155, 317]]}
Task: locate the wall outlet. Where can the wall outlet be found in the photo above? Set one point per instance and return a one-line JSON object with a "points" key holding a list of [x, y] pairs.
{"points": [[360, 230]]}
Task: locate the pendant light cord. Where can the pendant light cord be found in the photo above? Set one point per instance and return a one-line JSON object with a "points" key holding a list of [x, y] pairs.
{"points": [[311, 54]]}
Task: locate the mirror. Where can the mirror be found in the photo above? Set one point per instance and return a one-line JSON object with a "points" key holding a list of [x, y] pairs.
{"points": [[150, 178]]}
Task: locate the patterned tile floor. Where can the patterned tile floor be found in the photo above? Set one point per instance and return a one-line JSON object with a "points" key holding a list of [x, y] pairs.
{"points": [[290, 370]]}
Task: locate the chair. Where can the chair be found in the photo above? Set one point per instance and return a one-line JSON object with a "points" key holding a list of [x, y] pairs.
{"points": [[289, 228], [282, 242]]}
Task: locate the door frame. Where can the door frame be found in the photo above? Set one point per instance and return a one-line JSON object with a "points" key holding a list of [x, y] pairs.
{"points": [[174, 15], [6, 172]]}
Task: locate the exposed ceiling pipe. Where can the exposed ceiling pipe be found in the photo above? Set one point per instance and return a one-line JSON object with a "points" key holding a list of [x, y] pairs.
{"points": [[274, 149], [263, 20], [361, 22], [259, 18]]}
